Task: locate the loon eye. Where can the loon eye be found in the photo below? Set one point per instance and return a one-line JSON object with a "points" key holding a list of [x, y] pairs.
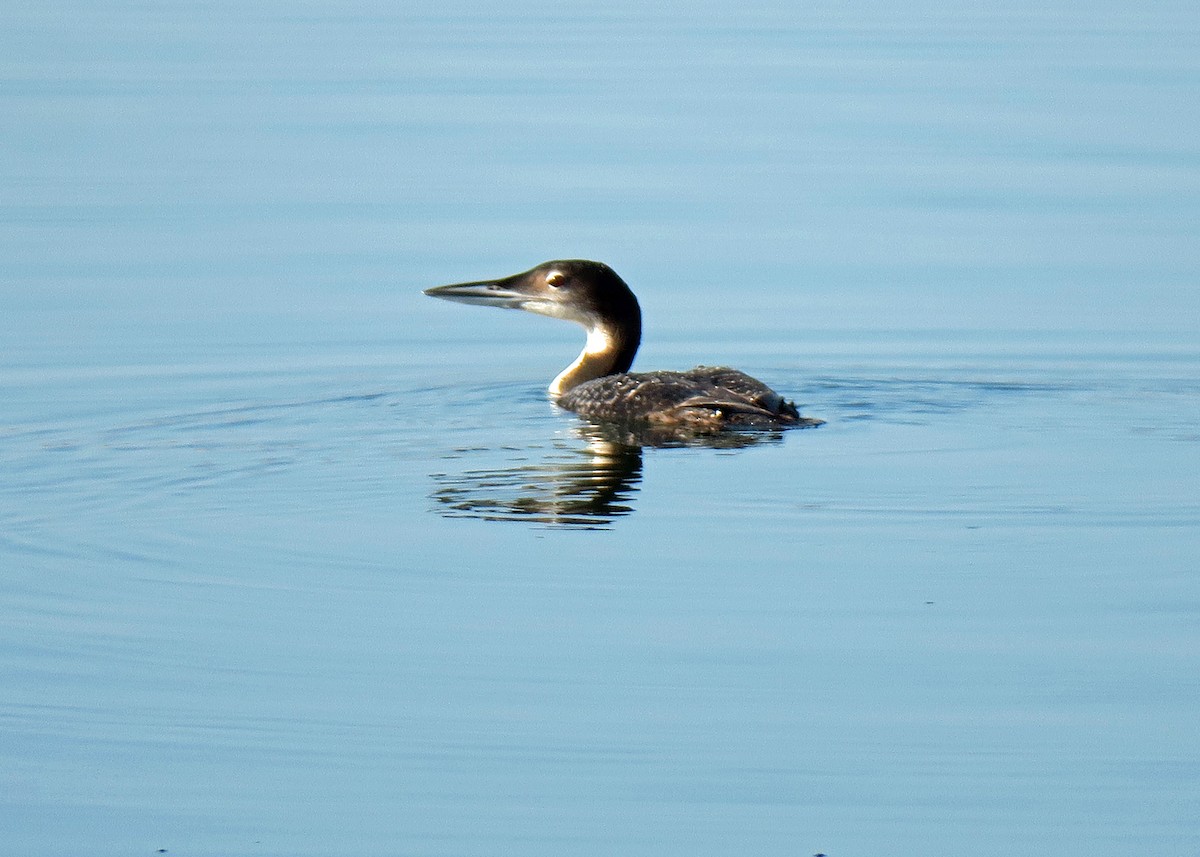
{"points": [[555, 279]]}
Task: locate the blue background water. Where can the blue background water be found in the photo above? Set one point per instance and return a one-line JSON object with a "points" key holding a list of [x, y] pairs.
{"points": [[297, 561]]}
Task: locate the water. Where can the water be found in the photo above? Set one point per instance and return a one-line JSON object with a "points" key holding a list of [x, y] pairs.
{"points": [[298, 561]]}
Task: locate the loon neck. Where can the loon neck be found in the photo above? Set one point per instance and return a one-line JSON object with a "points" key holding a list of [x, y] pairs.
{"points": [[609, 350]]}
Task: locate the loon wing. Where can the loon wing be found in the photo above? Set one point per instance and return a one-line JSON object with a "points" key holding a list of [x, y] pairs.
{"points": [[743, 386], [728, 404]]}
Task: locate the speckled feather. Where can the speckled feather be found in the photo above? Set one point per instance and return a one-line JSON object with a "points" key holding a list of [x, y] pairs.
{"points": [[704, 399]]}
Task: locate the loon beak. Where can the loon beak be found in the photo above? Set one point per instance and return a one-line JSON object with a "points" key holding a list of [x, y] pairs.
{"points": [[502, 293]]}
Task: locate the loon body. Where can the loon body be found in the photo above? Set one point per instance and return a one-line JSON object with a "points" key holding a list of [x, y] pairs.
{"points": [[599, 385]]}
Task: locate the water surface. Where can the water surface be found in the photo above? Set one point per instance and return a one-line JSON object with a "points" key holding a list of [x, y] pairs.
{"points": [[298, 561]]}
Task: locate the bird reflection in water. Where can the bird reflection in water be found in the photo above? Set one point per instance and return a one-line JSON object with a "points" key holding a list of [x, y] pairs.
{"points": [[585, 486]]}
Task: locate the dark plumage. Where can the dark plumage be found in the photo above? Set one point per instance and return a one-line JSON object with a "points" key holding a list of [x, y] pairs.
{"points": [[704, 399]]}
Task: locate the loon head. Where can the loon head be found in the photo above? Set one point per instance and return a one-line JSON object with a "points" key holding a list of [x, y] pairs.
{"points": [[578, 290], [589, 293]]}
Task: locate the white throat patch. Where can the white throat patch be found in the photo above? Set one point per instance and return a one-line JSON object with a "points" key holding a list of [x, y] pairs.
{"points": [[595, 360]]}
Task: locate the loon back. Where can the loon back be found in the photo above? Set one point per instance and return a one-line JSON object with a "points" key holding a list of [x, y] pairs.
{"points": [[703, 400], [598, 384]]}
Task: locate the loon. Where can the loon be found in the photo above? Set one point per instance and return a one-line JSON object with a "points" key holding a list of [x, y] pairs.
{"points": [[599, 385]]}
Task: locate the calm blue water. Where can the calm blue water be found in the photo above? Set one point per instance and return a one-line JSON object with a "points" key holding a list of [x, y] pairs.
{"points": [[294, 560]]}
